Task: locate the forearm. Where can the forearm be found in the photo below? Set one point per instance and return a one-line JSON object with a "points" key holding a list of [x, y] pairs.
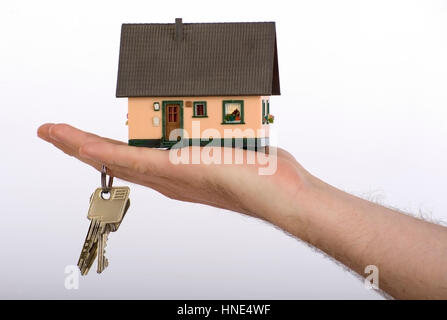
{"points": [[411, 254]]}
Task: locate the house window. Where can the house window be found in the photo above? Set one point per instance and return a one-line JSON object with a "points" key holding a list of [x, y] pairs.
{"points": [[172, 114], [233, 112], [199, 109]]}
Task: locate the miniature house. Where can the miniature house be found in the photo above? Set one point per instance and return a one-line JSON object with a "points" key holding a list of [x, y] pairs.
{"points": [[215, 76]]}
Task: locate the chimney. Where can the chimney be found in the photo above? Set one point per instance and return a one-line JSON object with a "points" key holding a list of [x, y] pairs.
{"points": [[178, 29]]}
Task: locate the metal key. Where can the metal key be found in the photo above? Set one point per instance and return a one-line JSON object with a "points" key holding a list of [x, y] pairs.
{"points": [[103, 262], [89, 250], [106, 214]]}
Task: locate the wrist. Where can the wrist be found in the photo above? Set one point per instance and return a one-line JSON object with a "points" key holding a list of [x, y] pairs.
{"points": [[296, 204], [320, 212], [308, 207]]}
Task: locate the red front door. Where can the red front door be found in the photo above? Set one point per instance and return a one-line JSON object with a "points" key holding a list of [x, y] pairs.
{"points": [[172, 120]]}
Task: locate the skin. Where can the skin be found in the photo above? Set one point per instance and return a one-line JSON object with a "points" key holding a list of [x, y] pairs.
{"points": [[411, 254]]}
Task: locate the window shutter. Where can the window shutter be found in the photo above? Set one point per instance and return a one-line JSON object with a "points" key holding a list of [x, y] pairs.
{"points": [[263, 111]]}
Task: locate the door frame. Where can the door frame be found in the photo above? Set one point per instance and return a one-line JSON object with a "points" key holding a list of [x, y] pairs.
{"points": [[163, 120]]}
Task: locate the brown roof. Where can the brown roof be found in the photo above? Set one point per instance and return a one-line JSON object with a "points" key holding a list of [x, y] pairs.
{"points": [[198, 59]]}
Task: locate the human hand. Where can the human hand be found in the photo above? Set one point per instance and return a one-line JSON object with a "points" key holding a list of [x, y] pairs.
{"points": [[236, 187], [356, 232]]}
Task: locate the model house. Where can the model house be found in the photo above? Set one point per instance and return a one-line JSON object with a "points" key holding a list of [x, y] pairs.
{"points": [[216, 76]]}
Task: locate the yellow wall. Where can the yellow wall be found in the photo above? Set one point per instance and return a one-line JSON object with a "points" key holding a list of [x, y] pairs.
{"points": [[141, 113]]}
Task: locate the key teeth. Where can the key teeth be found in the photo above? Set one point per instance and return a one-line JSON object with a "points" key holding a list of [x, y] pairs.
{"points": [[89, 251]]}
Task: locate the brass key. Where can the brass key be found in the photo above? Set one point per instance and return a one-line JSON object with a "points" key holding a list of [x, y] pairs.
{"points": [[89, 249], [108, 206]]}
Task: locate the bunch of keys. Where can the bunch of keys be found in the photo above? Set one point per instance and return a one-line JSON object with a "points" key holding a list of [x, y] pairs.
{"points": [[108, 205]]}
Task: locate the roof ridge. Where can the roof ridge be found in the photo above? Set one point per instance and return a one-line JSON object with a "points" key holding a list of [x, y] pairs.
{"points": [[186, 23]]}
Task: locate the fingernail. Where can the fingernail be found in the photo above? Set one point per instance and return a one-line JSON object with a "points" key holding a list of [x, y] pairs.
{"points": [[41, 132], [53, 132]]}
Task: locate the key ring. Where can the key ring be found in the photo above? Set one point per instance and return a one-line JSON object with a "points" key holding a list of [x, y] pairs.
{"points": [[105, 187]]}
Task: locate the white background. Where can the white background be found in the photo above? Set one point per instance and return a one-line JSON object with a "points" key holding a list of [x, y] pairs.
{"points": [[363, 107]]}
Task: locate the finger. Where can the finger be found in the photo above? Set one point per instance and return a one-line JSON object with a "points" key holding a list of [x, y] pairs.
{"points": [[70, 143], [116, 171], [80, 137], [43, 131], [141, 160], [72, 150], [73, 137]]}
